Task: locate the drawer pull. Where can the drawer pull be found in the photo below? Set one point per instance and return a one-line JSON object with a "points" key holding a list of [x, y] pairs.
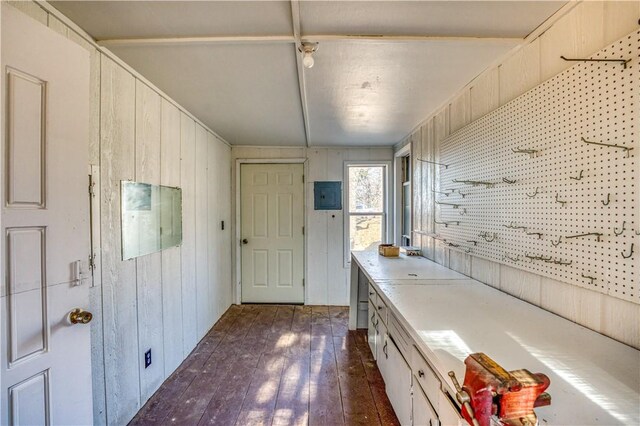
{"points": [[420, 373]]}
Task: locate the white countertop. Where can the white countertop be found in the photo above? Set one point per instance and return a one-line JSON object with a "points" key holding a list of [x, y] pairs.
{"points": [[594, 379], [378, 268]]}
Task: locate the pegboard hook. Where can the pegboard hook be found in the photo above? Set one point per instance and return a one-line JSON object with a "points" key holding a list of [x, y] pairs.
{"points": [[608, 200], [592, 279], [622, 61], [615, 230], [513, 259], [559, 201], [626, 148], [630, 252], [509, 181], [556, 243], [446, 166], [532, 152], [579, 176], [485, 236], [534, 193]]}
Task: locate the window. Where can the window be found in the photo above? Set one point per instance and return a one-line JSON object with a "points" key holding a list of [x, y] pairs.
{"points": [[405, 237], [366, 209]]}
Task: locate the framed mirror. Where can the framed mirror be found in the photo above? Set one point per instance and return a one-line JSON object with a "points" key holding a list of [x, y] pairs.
{"points": [[151, 218]]}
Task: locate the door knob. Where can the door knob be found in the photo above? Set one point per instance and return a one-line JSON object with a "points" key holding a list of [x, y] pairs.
{"points": [[79, 316], [245, 241]]}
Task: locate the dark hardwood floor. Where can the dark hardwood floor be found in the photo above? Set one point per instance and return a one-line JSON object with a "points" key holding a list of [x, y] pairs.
{"points": [[275, 365]]}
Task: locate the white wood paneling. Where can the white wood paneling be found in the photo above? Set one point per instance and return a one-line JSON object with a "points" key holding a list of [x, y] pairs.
{"points": [[213, 205], [485, 94], [188, 249], [337, 288], [485, 271], [203, 306], [170, 173], [460, 111], [621, 320], [224, 235], [119, 299], [520, 72], [316, 235], [149, 267]]}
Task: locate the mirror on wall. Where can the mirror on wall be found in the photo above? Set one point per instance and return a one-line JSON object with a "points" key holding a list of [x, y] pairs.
{"points": [[151, 218]]}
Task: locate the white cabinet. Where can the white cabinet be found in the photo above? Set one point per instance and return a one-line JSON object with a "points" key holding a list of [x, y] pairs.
{"points": [[398, 382], [423, 412]]}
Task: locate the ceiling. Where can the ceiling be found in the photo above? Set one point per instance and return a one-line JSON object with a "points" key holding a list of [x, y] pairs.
{"points": [[235, 65]]}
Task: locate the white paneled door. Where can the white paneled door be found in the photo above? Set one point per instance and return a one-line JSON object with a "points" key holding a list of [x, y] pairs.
{"points": [[45, 354], [272, 233]]}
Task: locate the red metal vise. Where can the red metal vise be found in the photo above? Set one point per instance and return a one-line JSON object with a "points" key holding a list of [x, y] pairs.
{"points": [[493, 396]]}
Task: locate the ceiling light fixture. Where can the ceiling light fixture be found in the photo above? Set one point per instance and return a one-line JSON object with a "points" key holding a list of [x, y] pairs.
{"points": [[307, 50]]}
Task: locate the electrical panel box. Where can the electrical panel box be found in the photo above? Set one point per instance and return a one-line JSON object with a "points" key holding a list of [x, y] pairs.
{"points": [[327, 195]]}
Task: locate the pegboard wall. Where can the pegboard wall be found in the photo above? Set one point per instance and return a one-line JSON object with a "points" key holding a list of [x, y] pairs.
{"points": [[523, 186]]}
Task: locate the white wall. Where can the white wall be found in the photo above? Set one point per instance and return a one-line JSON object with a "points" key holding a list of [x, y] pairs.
{"points": [[327, 279], [165, 301], [585, 29]]}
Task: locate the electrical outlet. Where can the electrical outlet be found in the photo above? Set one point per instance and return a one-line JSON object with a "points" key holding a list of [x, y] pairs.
{"points": [[147, 358]]}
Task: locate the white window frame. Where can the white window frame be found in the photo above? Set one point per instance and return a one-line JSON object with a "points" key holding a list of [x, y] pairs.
{"points": [[397, 195], [387, 214]]}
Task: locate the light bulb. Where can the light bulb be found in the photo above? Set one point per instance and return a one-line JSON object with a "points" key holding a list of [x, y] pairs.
{"points": [[307, 60]]}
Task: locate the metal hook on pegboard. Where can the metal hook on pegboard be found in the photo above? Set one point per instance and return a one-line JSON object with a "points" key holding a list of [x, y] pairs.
{"points": [[539, 234], [621, 61], [556, 243], [615, 230], [560, 201], [579, 176], [594, 234], [626, 148], [446, 166], [534, 193], [513, 259], [608, 200], [509, 181], [485, 236], [590, 278], [630, 253], [532, 152]]}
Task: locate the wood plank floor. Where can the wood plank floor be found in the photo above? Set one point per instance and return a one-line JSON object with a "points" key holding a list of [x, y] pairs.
{"points": [[275, 365]]}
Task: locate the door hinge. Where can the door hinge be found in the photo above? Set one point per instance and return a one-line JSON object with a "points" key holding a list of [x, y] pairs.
{"points": [[303, 282], [92, 262], [302, 178], [303, 230]]}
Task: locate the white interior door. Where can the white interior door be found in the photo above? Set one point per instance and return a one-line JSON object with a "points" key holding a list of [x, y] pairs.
{"points": [[272, 234], [46, 359]]}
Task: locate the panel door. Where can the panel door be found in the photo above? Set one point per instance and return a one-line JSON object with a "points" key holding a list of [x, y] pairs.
{"points": [[45, 358], [272, 211], [398, 385]]}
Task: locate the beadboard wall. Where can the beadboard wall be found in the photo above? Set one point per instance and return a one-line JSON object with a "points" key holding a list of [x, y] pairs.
{"points": [[164, 301], [327, 278], [583, 30]]}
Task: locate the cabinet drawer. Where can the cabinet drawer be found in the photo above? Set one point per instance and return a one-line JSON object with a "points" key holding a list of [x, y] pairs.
{"points": [[426, 378], [382, 309], [400, 336], [373, 296]]}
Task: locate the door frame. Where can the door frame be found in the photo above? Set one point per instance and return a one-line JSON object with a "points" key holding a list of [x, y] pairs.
{"points": [[237, 288]]}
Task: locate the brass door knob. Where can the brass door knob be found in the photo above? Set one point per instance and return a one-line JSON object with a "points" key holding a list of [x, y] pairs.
{"points": [[79, 316]]}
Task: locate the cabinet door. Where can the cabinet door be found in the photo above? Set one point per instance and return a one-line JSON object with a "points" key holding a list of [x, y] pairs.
{"points": [[423, 413], [371, 334], [398, 383], [382, 353]]}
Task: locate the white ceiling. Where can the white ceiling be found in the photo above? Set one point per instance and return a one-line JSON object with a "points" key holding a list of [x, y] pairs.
{"points": [[358, 93]]}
